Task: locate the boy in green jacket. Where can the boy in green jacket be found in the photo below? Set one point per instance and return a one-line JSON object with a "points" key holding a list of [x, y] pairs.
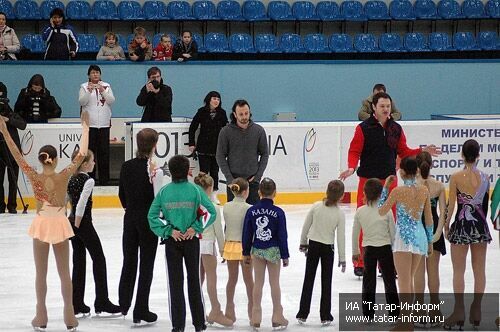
{"points": [[187, 211]]}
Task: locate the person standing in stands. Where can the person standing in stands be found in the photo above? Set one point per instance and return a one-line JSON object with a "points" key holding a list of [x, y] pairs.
{"points": [[60, 37], [186, 48], [96, 97], [366, 105], [9, 43], [156, 98], [35, 104]]}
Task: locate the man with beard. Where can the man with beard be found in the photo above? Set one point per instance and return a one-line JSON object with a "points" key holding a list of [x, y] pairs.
{"points": [[156, 98]]}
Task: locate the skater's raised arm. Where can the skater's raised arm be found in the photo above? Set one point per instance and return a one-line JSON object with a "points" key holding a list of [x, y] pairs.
{"points": [[84, 145], [26, 168]]}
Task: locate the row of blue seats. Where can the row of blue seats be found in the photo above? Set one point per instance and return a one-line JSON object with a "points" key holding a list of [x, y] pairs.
{"points": [[311, 43], [255, 10]]}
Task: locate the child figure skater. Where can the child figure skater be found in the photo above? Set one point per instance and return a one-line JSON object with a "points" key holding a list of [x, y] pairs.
{"points": [[80, 188], [50, 226], [234, 216], [208, 253], [324, 218], [412, 239], [378, 234], [265, 238]]}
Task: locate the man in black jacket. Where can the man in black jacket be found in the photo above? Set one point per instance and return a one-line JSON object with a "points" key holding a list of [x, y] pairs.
{"points": [[156, 98]]}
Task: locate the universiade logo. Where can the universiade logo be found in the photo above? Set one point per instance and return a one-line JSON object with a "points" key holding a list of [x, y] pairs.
{"points": [[27, 143], [311, 169]]}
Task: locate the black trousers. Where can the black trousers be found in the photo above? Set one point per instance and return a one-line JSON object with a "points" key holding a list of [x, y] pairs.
{"points": [[324, 252], [7, 163], [99, 144], [189, 252], [137, 235], [253, 195], [382, 256], [208, 165], [86, 238]]}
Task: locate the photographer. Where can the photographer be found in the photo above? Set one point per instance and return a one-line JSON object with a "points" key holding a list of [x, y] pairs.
{"points": [[156, 98], [7, 162], [35, 104]]}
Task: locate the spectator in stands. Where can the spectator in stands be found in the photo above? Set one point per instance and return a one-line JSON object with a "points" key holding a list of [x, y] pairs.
{"points": [[140, 48], [366, 105], [35, 104], [60, 37], [163, 52], [96, 97], [9, 43], [111, 50], [185, 48], [156, 98]]}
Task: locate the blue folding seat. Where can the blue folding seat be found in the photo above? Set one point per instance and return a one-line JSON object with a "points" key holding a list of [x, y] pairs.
{"points": [[290, 43], [390, 42], [493, 8], [328, 11], [229, 10], [122, 41], [376, 10], [254, 10], [279, 11], [79, 10], [179, 10], [304, 11], [26, 41], [425, 10], [415, 42], [6, 7], [216, 42], [464, 41], [365, 42], [473, 9], [401, 10], [33, 42], [155, 10], [315, 43], [352, 10], [87, 43], [204, 10], [488, 40], [156, 39], [46, 7], [440, 41], [266, 43], [341, 43], [241, 43], [449, 9], [105, 10], [27, 10], [130, 10], [199, 41]]}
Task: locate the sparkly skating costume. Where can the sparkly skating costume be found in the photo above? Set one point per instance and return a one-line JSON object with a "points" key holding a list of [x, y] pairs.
{"points": [[470, 224], [439, 244]]}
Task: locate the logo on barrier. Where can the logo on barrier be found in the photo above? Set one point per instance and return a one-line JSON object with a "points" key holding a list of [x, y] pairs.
{"points": [[311, 168]]}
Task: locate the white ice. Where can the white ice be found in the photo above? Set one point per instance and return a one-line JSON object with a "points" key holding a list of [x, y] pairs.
{"points": [[17, 275]]}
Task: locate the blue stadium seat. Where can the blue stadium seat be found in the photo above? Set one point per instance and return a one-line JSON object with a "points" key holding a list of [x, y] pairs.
{"points": [[315, 43], [473, 9], [254, 10], [87, 43], [401, 10], [488, 40], [493, 8], [464, 41], [229, 10], [199, 41], [328, 11], [376, 10], [352, 10], [46, 7], [130, 10], [27, 10], [415, 42], [155, 10], [440, 41], [279, 11], [216, 42], [33, 42], [122, 41], [266, 43], [6, 7], [341, 43], [179, 10], [105, 10], [449, 9], [304, 11], [290, 43], [390, 42], [204, 10], [425, 10], [156, 40], [79, 10], [241, 43], [365, 42]]}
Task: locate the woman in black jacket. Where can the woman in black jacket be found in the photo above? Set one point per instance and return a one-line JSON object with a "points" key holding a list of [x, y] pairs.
{"points": [[35, 104]]}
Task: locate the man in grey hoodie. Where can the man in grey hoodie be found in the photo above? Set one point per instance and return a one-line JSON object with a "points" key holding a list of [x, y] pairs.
{"points": [[242, 150]]}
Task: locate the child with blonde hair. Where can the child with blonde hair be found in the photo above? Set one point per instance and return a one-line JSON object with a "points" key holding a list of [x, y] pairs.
{"points": [[163, 51], [111, 50], [140, 48]]}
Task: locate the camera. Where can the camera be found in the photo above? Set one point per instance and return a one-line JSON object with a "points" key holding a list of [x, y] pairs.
{"points": [[155, 84]]}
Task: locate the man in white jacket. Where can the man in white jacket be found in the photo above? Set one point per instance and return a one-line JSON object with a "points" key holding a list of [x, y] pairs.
{"points": [[96, 97]]}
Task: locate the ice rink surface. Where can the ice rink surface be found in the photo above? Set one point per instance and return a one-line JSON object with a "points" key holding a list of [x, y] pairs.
{"points": [[17, 275]]}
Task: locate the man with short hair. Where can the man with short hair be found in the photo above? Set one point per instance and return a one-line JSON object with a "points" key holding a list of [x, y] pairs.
{"points": [[366, 105], [156, 98], [242, 150]]}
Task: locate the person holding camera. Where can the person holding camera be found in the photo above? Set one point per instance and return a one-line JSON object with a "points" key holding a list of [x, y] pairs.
{"points": [[9, 43], [156, 98], [96, 97], [35, 104], [7, 163]]}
